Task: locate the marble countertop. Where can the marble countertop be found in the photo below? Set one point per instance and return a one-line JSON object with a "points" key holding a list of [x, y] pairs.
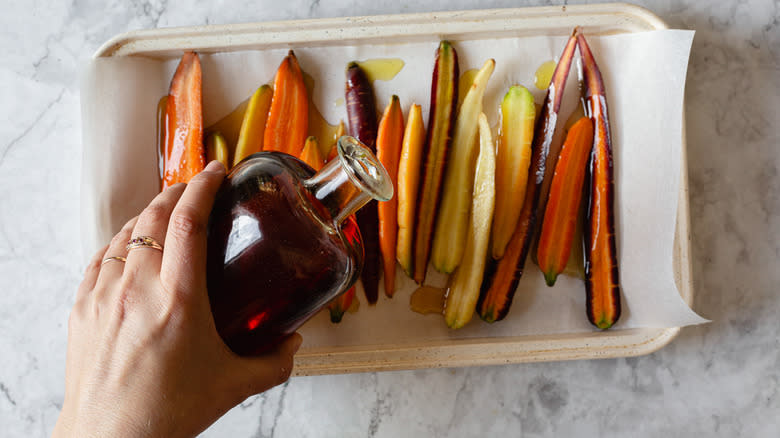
{"points": [[719, 379]]}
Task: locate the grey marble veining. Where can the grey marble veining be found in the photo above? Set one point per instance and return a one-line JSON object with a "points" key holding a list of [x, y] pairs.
{"points": [[719, 379]]}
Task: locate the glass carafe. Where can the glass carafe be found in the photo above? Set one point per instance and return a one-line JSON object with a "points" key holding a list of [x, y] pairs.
{"points": [[282, 241]]}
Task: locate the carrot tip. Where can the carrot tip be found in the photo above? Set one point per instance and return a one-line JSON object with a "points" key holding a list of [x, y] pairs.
{"points": [[604, 323], [336, 315], [550, 277], [488, 316]]}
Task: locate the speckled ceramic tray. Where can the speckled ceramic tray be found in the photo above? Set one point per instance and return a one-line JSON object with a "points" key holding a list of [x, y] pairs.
{"points": [[457, 26]]}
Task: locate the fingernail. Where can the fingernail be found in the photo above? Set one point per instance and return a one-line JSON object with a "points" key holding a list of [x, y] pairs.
{"points": [[215, 166]]}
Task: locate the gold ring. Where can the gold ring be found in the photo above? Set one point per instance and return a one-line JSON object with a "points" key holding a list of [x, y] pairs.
{"points": [[143, 242], [114, 258]]}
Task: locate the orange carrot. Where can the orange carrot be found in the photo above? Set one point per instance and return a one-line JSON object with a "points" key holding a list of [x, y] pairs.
{"points": [[184, 155], [288, 118], [341, 304], [388, 147], [311, 153], [602, 278], [563, 203]]}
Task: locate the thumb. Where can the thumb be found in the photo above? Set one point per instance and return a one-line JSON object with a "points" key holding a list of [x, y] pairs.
{"points": [[260, 373]]}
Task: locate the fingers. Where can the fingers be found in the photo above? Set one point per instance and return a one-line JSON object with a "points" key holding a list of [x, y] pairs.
{"points": [[91, 274], [184, 259], [153, 222], [258, 374], [111, 271]]}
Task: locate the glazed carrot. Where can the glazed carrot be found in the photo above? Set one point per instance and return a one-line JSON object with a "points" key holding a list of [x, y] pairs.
{"points": [[250, 137], [345, 301], [184, 155], [230, 127], [341, 304], [452, 218], [361, 116], [162, 128], [602, 281], [311, 156], [340, 131], [311, 153], [560, 217], [388, 149], [512, 160], [502, 276], [463, 290], [288, 118], [441, 126], [216, 149], [408, 182]]}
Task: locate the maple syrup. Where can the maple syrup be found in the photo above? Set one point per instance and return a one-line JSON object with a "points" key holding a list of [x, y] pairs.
{"points": [[282, 242]]}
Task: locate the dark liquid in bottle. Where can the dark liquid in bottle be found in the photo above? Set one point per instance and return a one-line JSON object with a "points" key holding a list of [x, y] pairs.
{"points": [[276, 256]]}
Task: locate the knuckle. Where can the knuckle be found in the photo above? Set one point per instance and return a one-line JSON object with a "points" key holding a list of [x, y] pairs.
{"points": [[185, 222], [120, 239], [154, 213]]}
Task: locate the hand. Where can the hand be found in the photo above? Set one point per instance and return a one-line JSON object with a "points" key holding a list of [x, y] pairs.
{"points": [[144, 357]]}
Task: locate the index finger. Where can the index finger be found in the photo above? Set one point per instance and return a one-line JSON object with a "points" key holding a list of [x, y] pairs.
{"points": [[183, 267]]}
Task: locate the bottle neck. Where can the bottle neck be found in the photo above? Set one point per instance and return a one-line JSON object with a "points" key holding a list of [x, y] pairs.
{"points": [[347, 183]]}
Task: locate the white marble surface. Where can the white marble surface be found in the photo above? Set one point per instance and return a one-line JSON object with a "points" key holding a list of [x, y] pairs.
{"points": [[720, 379]]}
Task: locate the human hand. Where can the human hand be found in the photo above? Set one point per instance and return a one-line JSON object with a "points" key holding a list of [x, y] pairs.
{"points": [[144, 357]]}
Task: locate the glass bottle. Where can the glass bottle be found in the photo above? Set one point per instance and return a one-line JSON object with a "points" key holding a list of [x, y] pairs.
{"points": [[282, 241]]}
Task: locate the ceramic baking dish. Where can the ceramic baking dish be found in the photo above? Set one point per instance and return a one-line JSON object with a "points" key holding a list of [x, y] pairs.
{"points": [[462, 25]]}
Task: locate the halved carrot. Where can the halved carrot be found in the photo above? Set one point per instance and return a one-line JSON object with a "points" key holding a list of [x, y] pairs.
{"points": [[502, 276], [441, 126], [311, 153], [602, 279], [408, 183], [250, 137], [346, 301], [513, 158], [388, 149], [341, 304], [288, 118], [184, 155], [452, 218], [463, 290], [162, 128], [341, 130], [216, 149], [230, 127], [560, 218]]}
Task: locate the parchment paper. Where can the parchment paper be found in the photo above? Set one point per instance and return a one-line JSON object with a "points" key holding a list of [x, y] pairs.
{"points": [[644, 75]]}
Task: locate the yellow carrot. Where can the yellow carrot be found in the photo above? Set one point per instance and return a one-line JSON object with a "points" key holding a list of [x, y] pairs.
{"points": [[250, 137], [408, 183]]}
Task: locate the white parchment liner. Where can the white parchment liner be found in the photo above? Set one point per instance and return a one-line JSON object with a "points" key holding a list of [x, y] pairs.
{"points": [[644, 75]]}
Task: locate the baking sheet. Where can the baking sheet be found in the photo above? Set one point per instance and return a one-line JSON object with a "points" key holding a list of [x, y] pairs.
{"points": [[644, 75]]}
